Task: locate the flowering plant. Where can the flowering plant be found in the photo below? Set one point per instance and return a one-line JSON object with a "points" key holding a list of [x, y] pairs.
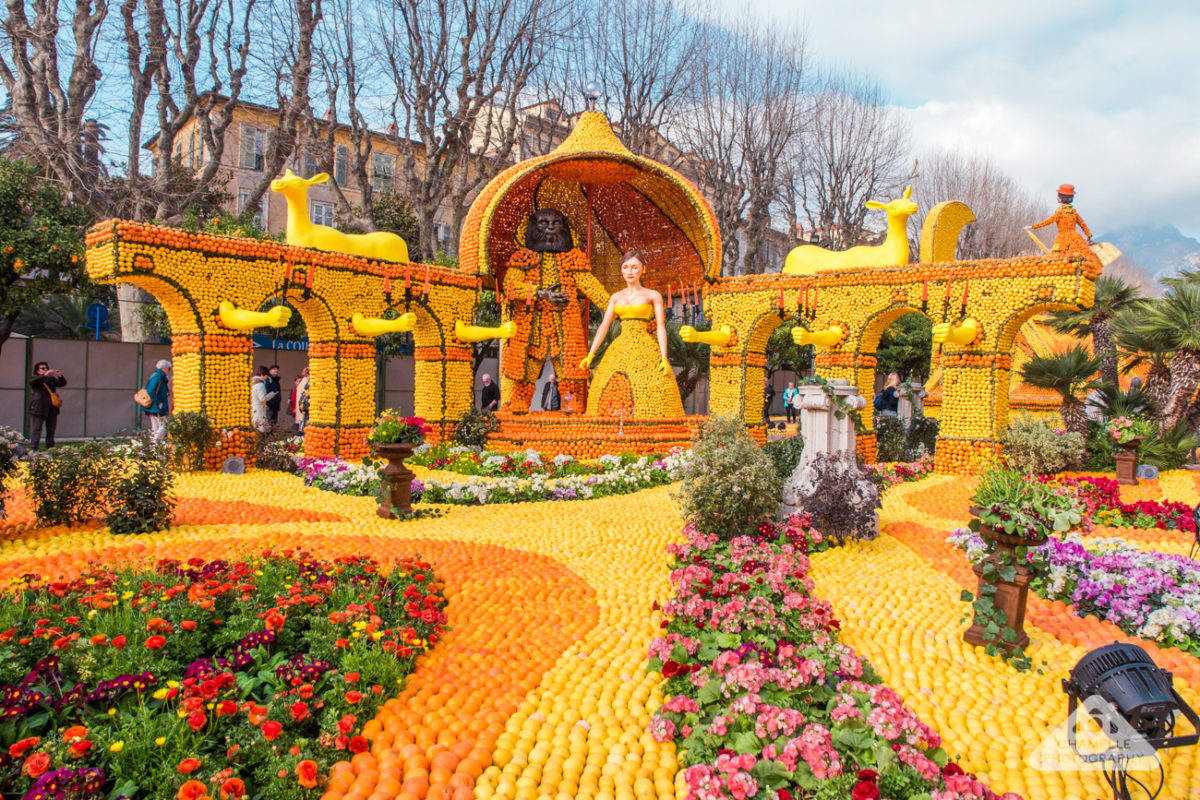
{"points": [[896, 472], [1124, 430], [764, 701], [1011, 503], [1101, 499], [246, 678], [391, 428]]}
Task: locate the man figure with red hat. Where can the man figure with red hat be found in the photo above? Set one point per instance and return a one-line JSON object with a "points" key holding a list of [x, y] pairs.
{"points": [[1067, 218]]}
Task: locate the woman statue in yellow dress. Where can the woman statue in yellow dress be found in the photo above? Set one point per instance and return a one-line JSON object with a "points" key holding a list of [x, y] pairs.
{"points": [[634, 378]]}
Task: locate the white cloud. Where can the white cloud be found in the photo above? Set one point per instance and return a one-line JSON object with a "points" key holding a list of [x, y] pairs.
{"points": [[1102, 94]]}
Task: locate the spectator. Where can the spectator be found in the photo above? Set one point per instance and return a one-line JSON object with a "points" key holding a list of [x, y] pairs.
{"points": [[44, 403], [274, 392], [302, 401], [159, 389], [888, 402], [550, 397], [789, 397], [768, 398], [259, 399], [490, 400], [293, 398]]}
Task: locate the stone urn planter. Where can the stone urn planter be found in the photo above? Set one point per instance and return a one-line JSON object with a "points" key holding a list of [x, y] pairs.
{"points": [[1011, 596], [395, 491], [1127, 461]]}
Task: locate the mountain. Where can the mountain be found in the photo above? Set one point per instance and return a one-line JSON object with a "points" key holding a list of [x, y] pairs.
{"points": [[1151, 252]]}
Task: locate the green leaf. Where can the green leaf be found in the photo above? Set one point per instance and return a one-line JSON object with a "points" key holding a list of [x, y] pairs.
{"points": [[727, 640], [771, 773], [746, 742], [966, 596], [709, 692], [654, 665]]}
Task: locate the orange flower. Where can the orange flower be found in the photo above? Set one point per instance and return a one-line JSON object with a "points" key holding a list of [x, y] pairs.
{"points": [[36, 764], [306, 772], [192, 790], [189, 764], [74, 732], [232, 789]]}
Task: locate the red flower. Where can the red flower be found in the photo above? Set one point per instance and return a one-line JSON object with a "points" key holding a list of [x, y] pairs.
{"points": [[188, 625], [306, 772], [74, 732], [305, 691], [299, 711], [156, 642], [8, 635], [17, 749], [226, 707], [81, 748], [192, 790], [351, 677], [197, 720], [952, 768], [36, 764], [119, 642], [865, 791], [271, 730], [359, 745], [352, 697], [868, 775], [232, 789], [99, 639], [346, 723], [189, 765]]}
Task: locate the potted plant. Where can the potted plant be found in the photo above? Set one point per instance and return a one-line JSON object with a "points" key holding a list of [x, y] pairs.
{"points": [[394, 438], [1012, 513], [1127, 434]]}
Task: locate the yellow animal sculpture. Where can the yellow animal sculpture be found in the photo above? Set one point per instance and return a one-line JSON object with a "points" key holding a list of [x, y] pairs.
{"points": [[830, 337], [808, 259], [239, 319], [302, 232], [718, 338], [480, 333], [376, 326], [960, 333]]}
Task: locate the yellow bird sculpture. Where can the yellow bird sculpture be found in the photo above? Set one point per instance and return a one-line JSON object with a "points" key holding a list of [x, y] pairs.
{"points": [[830, 337], [239, 319], [481, 333], [718, 338], [376, 326]]}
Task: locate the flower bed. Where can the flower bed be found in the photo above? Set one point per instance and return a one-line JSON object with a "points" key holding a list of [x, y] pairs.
{"points": [[614, 475], [230, 679], [1102, 498], [901, 471], [764, 701], [521, 463], [1149, 595]]}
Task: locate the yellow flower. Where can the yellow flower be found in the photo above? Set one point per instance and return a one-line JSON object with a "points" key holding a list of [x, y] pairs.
{"points": [[126, 595], [112, 712], [160, 741], [116, 747], [160, 694]]}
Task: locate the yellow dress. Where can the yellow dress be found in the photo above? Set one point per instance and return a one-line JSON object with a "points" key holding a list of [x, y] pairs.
{"points": [[627, 378]]}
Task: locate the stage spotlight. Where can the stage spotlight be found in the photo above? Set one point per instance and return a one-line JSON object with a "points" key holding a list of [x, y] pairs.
{"points": [[1138, 714]]}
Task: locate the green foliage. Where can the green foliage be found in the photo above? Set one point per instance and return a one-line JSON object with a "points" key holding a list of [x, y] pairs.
{"points": [[64, 316], [392, 212], [41, 241], [191, 433], [922, 436], [1034, 448], [1115, 403], [1100, 449], [11, 443], [126, 485], [1069, 373], [729, 486], [783, 353], [1169, 449], [785, 454], [391, 428], [891, 439], [139, 493], [905, 347], [474, 426], [220, 222]]}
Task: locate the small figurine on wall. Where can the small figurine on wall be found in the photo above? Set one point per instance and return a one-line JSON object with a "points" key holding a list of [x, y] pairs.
{"points": [[1067, 218]]}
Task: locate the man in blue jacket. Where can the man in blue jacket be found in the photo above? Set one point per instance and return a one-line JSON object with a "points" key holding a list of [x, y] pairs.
{"points": [[158, 387]]}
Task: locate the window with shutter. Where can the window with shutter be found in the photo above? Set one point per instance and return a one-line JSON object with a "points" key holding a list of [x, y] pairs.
{"points": [[311, 165], [322, 213], [383, 167], [341, 168]]}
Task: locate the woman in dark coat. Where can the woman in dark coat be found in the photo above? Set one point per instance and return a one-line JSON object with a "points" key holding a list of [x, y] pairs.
{"points": [[43, 413]]}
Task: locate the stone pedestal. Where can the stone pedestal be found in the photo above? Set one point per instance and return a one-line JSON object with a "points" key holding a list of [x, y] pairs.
{"points": [[911, 401], [823, 432], [1127, 463], [395, 495]]}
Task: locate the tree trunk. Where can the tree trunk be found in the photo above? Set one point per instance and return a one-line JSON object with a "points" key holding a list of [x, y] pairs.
{"points": [[1074, 416], [1102, 346], [1185, 377], [1158, 385], [130, 302]]}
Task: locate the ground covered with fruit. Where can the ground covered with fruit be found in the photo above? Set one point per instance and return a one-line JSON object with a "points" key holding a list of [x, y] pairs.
{"points": [[533, 650]]}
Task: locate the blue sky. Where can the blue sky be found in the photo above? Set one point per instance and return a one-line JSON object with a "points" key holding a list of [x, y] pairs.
{"points": [[1105, 95]]}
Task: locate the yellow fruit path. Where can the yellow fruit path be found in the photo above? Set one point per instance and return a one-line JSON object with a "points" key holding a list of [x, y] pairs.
{"points": [[906, 617]]}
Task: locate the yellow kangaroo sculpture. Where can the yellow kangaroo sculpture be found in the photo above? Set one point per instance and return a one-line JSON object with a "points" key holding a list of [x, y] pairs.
{"points": [[830, 337], [302, 232], [808, 259], [376, 326], [960, 333], [242, 320], [480, 333], [718, 338]]}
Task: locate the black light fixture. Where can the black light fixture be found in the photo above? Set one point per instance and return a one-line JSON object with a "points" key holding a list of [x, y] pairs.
{"points": [[1144, 701]]}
